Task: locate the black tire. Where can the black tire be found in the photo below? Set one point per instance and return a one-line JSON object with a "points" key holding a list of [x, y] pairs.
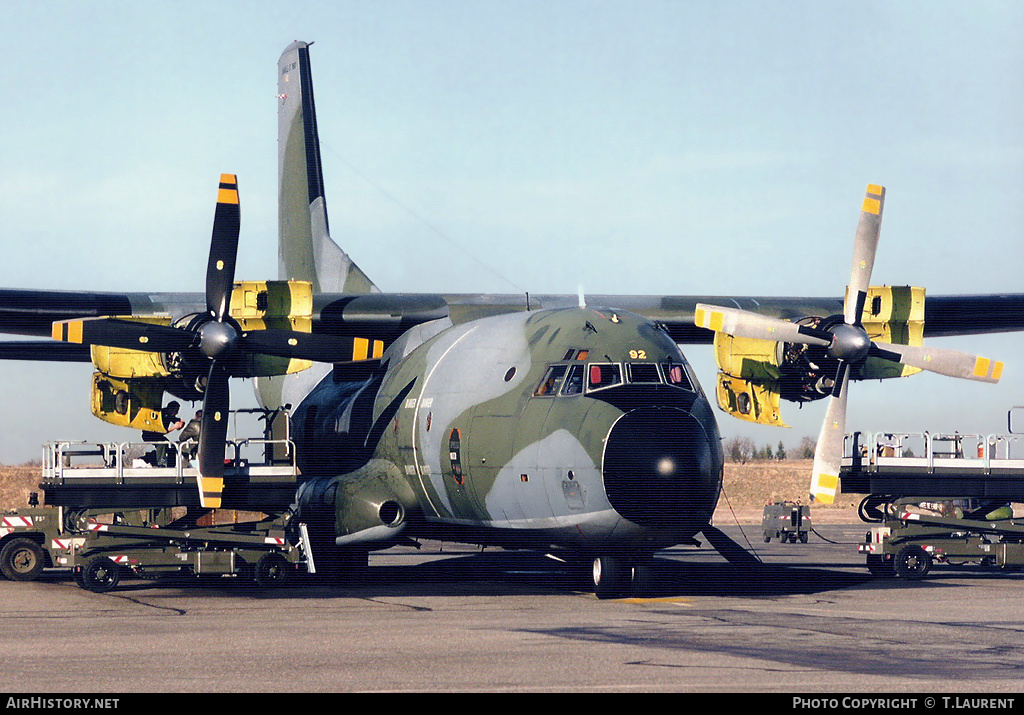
{"points": [[912, 562], [767, 537], [803, 537], [611, 576], [272, 570], [642, 585], [100, 575], [880, 567], [22, 559]]}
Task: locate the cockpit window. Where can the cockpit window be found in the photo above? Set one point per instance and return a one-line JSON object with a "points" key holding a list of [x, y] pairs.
{"points": [[551, 382], [573, 384], [565, 380], [642, 372], [675, 374], [603, 375]]}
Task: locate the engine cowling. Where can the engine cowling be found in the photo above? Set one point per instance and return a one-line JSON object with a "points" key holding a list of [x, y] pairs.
{"points": [[755, 375]]}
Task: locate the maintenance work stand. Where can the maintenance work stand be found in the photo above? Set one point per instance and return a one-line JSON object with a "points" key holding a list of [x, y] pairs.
{"points": [[937, 498], [133, 508]]}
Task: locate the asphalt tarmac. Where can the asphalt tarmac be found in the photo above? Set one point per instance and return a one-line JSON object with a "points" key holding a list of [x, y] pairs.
{"points": [[453, 618]]}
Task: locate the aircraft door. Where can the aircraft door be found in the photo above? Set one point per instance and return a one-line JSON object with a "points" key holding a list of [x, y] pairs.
{"points": [[487, 458]]}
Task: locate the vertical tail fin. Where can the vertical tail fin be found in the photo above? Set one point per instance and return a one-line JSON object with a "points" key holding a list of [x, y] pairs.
{"points": [[305, 249]]}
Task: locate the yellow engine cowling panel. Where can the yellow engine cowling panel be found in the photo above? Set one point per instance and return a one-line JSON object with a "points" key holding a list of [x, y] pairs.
{"points": [[747, 385], [747, 358], [893, 314], [125, 363], [133, 403], [749, 400], [273, 305]]}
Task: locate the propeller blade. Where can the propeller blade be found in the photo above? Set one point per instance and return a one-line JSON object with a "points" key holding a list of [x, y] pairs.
{"points": [[128, 334], [311, 346], [944, 362], [864, 248], [45, 350], [745, 324], [220, 269], [842, 375], [828, 453], [213, 433]]}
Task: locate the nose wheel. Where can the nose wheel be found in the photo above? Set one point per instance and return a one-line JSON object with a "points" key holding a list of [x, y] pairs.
{"points": [[617, 577]]}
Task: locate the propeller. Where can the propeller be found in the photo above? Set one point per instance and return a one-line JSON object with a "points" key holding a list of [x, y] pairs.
{"points": [[848, 343], [217, 337]]}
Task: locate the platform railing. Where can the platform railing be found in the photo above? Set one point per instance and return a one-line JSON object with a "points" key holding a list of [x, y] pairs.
{"points": [[119, 461], [931, 451]]}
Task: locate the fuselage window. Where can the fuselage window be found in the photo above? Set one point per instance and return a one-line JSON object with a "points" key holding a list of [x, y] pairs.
{"points": [[675, 374], [642, 372], [601, 376], [552, 381], [573, 381]]}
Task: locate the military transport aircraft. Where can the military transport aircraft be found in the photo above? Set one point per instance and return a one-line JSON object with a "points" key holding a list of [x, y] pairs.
{"points": [[549, 422]]}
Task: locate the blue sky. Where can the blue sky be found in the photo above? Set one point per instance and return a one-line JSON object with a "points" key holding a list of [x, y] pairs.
{"points": [[633, 147]]}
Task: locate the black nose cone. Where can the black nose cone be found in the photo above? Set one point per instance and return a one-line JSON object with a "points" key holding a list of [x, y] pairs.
{"points": [[659, 468]]}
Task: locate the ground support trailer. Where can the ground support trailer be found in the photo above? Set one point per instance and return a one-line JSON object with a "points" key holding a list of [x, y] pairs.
{"points": [[100, 546], [786, 521], [109, 512], [937, 498], [918, 532], [255, 550]]}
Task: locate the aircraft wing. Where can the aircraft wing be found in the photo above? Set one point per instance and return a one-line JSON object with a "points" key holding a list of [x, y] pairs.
{"points": [[944, 315], [33, 313], [387, 315]]}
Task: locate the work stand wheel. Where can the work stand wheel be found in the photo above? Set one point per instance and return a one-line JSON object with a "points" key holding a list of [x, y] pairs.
{"points": [[912, 562], [100, 575], [22, 559], [272, 570]]}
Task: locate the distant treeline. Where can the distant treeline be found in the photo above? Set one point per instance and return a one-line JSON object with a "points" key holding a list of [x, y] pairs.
{"points": [[744, 449]]}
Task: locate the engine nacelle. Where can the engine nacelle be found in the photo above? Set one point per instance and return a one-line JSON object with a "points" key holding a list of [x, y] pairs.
{"points": [[369, 507], [756, 374]]}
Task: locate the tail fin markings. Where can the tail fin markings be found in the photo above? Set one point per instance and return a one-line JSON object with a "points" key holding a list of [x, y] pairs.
{"points": [[305, 249]]}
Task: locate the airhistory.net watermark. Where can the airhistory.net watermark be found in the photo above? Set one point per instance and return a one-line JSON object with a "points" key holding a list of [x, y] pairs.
{"points": [[59, 703]]}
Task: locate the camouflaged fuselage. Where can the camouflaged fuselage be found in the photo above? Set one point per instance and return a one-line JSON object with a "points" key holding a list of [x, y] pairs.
{"points": [[580, 428]]}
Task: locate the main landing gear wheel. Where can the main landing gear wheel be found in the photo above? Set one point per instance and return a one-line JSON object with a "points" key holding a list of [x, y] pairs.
{"points": [[616, 577], [22, 559], [100, 575], [912, 562], [612, 577]]}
